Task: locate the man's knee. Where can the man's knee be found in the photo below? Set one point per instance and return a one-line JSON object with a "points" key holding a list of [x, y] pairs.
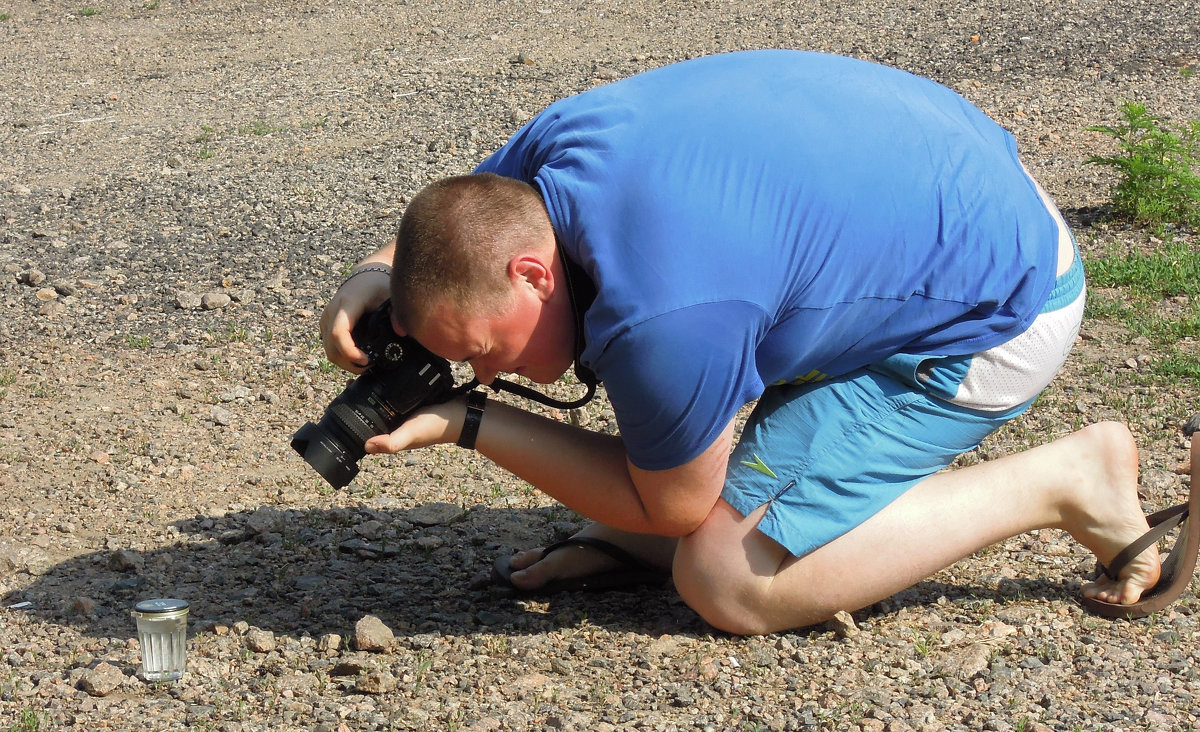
{"points": [[726, 600], [731, 597]]}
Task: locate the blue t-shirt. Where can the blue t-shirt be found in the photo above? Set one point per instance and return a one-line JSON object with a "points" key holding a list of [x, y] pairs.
{"points": [[778, 216]]}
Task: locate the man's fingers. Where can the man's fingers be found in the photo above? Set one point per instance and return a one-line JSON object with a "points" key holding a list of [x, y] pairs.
{"points": [[355, 360], [340, 348], [381, 444]]}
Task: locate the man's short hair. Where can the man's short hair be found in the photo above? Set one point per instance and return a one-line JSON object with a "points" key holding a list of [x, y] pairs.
{"points": [[455, 240]]}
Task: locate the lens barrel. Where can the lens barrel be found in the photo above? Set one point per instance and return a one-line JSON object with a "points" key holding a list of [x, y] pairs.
{"points": [[326, 454]]}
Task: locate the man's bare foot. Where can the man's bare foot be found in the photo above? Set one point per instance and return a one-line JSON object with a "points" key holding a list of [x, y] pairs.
{"points": [[1105, 514], [534, 571]]}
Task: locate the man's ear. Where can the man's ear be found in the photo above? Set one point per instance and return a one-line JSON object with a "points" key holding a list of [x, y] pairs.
{"points": [[531, 270]]}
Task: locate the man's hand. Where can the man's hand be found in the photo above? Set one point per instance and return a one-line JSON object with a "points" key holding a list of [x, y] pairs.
{"points": [[431, 425], [359, 294]]}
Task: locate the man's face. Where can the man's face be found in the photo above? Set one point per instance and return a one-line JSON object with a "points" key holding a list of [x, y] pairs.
{"points": [[529, 335]]}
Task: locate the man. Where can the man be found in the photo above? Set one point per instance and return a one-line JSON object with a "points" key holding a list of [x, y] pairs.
{"points": [[858, 249]]}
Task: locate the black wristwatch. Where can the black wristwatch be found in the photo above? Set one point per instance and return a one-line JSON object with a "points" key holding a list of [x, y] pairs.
{"points": [[476, 401]]}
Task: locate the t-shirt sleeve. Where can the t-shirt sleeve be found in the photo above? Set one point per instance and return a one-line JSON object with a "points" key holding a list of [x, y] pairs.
{"points": [[676, 380]]}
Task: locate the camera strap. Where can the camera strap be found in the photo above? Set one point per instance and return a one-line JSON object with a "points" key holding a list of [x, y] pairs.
{"points": [[581, 291]]}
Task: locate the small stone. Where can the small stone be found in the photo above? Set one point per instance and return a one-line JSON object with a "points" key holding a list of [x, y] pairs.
{"points": [[222, 416], [352, 666], [965, 663], [429, 543], [187, 300], [214, 300], [31, 277], [124, 560], [329, 642], [1192, 426], [101, 680], [46, 294], [369, 529], [368, 550], [434, 514], [842, 624], [375, 682], [260, 641], [263, 519], [83, 606], [52, 309], [489, 618], [370, 634]]}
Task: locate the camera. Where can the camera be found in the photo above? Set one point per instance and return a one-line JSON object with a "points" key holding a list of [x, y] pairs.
{"points": [[401, 375]]}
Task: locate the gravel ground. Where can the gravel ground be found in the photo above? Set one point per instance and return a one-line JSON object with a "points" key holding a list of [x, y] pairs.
{"points": [[181, 187]]}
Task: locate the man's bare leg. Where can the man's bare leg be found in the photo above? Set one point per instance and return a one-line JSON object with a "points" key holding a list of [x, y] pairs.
{"points": [[740, 580]]}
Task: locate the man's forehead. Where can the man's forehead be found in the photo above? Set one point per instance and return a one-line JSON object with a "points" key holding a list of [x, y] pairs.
{"points": [[448, 333]]}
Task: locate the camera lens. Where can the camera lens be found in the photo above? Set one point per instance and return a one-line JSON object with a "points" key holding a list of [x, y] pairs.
{"points": [[326, 454], [402, 376]]}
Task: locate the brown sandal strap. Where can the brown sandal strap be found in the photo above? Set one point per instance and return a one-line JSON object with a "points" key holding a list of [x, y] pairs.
{"points": [[1162, 522]]}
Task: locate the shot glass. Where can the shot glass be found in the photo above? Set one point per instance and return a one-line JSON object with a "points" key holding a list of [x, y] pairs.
{"points": [[162, 633]]}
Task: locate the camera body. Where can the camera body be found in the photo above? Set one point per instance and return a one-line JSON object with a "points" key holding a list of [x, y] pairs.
{"points": [[401, 376]]}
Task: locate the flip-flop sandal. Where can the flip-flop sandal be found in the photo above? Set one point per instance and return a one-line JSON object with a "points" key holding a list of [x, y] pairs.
{"points": [[633, 572], [1180, 563]]}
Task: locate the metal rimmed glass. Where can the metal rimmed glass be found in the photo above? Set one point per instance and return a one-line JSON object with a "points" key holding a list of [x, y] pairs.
{"points": [[162, 634]]}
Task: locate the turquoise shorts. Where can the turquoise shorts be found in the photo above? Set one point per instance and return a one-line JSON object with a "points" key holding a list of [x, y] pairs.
{"points": [[825, 457]]}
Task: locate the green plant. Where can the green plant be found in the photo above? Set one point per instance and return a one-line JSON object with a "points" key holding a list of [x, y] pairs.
{"points": [[235, 333], [205, 134], [5, 16], [86, 12], [259, 127], [1159, 182], [423, 665], [141, 342], [923, 644], [29, 721]]}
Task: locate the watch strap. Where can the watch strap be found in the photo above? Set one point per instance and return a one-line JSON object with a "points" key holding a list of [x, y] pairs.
{"points": [[476, 401]]}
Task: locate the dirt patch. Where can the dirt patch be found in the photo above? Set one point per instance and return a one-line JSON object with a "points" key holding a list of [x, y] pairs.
{"points": [[152, 153]]}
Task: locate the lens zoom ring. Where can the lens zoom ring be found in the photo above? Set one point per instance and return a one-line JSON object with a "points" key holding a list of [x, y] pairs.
{"points": [[353, 421]]}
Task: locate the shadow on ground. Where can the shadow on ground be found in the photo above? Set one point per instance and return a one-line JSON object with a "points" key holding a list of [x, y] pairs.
{"points": [[314, 572], [319, 571]]}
